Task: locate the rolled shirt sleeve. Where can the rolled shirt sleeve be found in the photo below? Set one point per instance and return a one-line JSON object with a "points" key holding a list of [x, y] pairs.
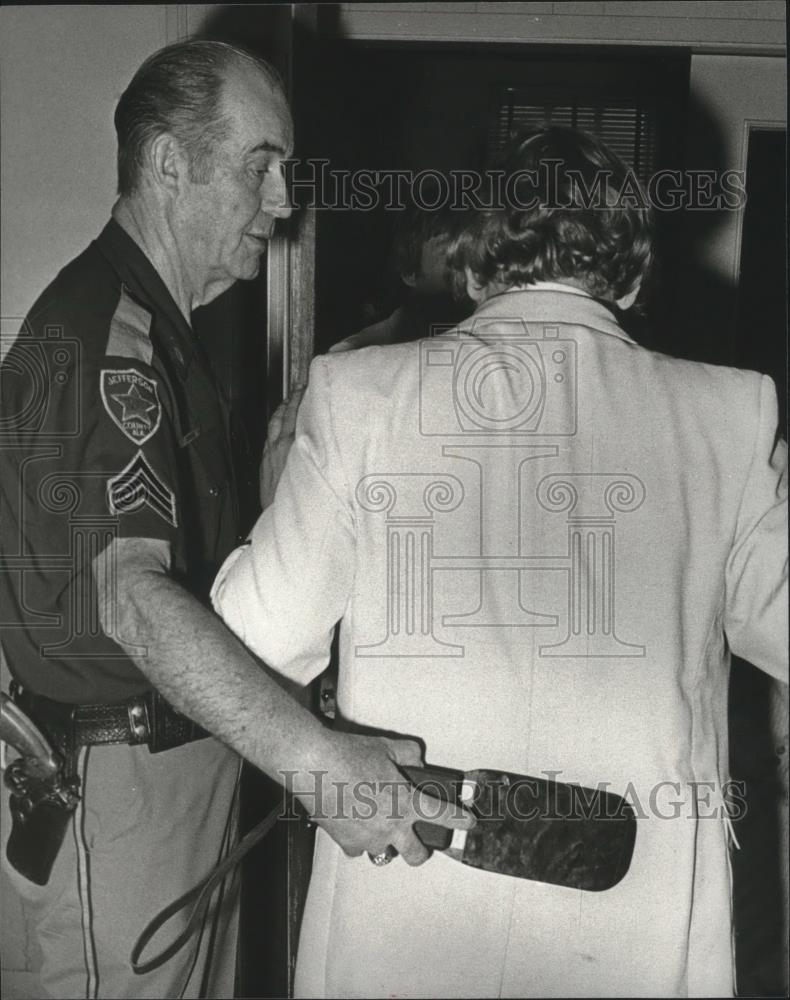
{"points": [[284, 590], [94, 459]]}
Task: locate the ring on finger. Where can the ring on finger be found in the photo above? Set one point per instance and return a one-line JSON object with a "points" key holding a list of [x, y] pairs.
{"points": [[383, 858]]}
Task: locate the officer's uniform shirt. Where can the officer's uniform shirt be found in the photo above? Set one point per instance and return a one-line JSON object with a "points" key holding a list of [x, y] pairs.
{"points": [[112, 426]]}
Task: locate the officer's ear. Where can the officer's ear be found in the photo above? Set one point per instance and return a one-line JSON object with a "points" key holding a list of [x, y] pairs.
{"points": [[167, 162]]}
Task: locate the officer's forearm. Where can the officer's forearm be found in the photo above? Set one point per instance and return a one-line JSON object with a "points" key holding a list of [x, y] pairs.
{"points": [[199, 665], [204, 671]]}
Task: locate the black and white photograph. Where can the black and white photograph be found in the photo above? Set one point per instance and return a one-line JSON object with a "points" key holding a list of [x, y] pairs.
{"points": [[393, 500]]}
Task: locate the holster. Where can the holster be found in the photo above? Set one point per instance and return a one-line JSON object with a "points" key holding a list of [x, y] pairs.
{"points": [[44, 793], [44, 782], [40, 815]]}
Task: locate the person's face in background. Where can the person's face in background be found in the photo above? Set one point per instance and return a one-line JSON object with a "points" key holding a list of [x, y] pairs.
{"points": [[432, 279], [428, 308], [431, 293]]}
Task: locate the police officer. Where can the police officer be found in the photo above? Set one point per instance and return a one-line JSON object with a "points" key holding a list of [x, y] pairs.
{"points": [[118, 507]]}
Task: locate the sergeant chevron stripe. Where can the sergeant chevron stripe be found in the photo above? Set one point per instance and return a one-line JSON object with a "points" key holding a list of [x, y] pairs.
{"points": [[138, 485]]}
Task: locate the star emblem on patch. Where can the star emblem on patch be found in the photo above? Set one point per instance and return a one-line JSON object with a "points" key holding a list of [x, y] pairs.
{"points": [[132, 401]]}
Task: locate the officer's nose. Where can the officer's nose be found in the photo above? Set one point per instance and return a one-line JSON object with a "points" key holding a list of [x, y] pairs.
{"points": [[275, 199]]}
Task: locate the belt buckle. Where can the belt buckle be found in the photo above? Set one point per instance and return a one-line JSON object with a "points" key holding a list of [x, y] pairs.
{"points": [[139, 724]]}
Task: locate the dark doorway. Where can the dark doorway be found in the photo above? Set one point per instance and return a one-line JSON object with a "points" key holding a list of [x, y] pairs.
{"points": [[422, 109], [761, 337]]}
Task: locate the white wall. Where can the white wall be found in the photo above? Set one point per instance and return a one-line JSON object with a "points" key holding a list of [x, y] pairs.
{"points": [[62, 70]]}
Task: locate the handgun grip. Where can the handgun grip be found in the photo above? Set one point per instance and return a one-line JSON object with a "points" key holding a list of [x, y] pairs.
{"points": [[24, 736]]}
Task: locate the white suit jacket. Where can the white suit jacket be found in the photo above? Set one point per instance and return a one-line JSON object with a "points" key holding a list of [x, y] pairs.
{"points": [[543, 541]]}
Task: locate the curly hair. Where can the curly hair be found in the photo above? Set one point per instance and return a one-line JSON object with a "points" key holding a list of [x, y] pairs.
{"points": [[572, 210]]}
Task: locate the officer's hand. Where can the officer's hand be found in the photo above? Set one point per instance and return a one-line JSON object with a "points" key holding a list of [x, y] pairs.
{"points": [[279, 438], [367, 805]]}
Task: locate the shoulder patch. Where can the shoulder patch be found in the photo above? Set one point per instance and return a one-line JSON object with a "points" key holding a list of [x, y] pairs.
{"points": [[132, 401], [129, 330], [138, 486]]}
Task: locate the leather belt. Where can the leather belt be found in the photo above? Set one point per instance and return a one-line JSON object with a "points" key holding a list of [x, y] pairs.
{"points": [[146, 719]]}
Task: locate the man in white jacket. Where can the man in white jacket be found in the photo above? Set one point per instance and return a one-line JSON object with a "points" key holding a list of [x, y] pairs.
{"points": [[542, 542]]}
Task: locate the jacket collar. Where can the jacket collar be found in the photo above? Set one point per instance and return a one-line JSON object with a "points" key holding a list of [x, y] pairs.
{"points": [[550, 303], [145, 284]]}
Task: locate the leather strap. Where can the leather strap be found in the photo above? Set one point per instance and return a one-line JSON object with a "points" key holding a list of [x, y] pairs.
{"points": [[201, 894]]}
